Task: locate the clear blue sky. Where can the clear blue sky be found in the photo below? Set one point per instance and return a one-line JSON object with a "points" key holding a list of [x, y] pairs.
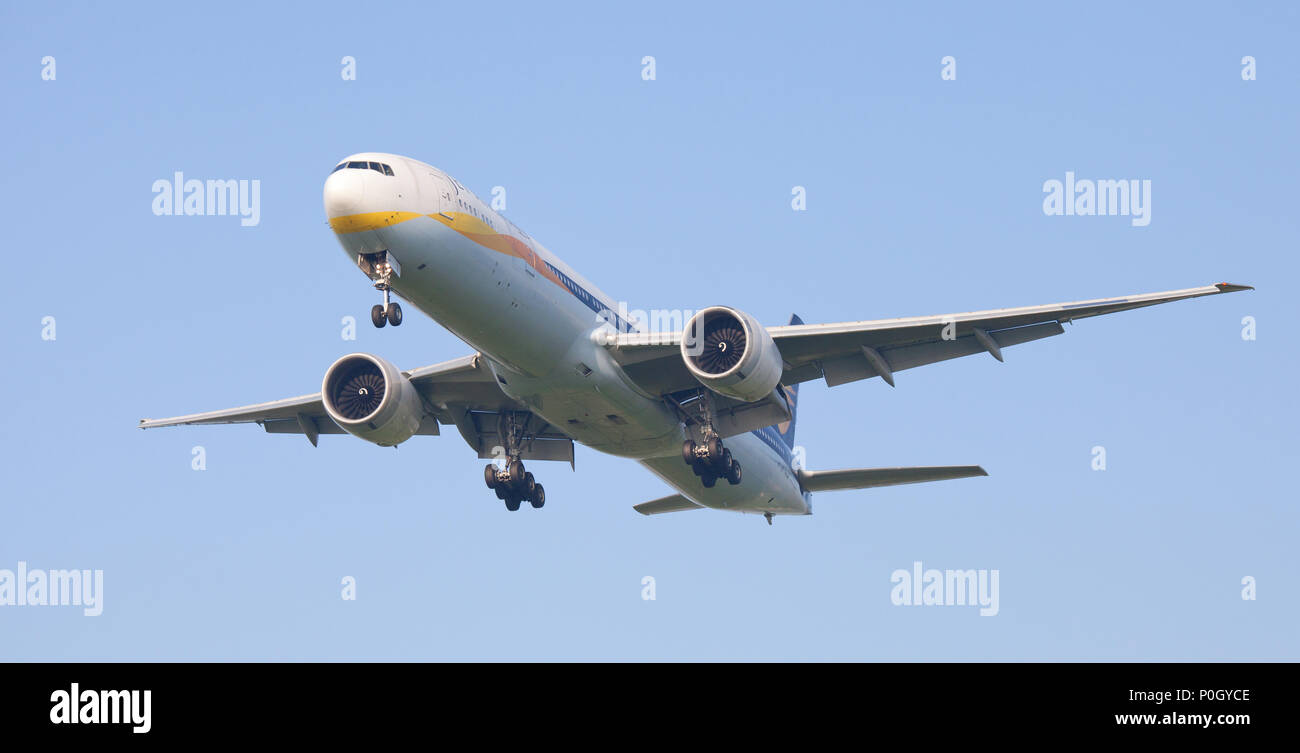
{"points": [[924, 197]]}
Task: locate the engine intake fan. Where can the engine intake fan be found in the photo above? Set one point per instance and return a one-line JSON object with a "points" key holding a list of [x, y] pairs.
{"points": [[370, 398], [729, 352]]}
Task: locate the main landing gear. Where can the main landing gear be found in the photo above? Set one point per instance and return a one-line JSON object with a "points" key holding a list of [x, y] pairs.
{"points": [[513, 484], [389, 312], [711, 461]]}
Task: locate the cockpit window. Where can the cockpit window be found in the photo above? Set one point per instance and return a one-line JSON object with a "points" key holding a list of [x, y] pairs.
{"points": [[378, 167]]}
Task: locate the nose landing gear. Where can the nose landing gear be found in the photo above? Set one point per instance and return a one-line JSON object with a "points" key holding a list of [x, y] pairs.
{"points": [[389, 312], [386, 314]]}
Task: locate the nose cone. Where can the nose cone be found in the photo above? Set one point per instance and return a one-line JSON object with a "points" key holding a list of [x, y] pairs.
{"points": [[345, 194], [360, 188]]}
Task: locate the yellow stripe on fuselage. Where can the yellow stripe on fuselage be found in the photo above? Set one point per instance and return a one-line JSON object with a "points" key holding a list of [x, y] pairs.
{"points": [[467, 225], [355, 223]]}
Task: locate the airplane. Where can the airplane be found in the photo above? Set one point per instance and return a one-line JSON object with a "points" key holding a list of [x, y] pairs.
{"points": [[556, 361]]}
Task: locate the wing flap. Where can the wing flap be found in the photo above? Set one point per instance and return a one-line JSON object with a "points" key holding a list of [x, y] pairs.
{"points": [[286, 409], [482, 432], [851, 368], [804, 342]]}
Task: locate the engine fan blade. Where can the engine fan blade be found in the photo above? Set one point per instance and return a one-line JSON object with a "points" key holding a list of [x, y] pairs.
{"points": [[724, 345], [360, 396]]}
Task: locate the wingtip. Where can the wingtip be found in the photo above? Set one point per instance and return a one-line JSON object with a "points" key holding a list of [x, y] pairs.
{"points": [[1227, 287]]}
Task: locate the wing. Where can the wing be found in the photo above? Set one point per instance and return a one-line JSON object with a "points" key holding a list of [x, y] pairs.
{"points": [[463, 392], [849, 351]]}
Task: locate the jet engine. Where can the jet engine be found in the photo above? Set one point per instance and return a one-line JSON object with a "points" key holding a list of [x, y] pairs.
{"points": [[729, 352], [369, 398]]}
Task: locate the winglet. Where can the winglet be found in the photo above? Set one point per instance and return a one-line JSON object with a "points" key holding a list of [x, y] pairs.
{"points": [[1227, 287]]}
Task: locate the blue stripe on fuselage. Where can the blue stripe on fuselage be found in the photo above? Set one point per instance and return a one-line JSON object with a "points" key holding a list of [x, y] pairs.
{"points": [[592, 302], [771, 437]]}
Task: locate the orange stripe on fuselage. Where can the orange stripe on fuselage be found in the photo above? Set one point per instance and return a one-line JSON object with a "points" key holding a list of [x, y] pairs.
{"points": [[483, 234], [466, 224]]}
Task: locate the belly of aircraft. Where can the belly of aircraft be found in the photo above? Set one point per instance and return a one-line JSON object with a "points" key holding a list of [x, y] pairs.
{"points": [[765, 484], [590, 419]]}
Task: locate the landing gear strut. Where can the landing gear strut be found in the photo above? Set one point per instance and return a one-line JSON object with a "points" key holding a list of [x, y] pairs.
{"points": [[389, 312], [709, 459], [513, 483]]}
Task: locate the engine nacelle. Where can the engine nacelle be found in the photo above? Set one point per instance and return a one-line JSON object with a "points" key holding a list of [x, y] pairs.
{"points": [[369, 398], [732, 354]]}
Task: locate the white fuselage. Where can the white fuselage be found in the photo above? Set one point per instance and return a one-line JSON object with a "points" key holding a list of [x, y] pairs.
{"points": [[532, 316]]}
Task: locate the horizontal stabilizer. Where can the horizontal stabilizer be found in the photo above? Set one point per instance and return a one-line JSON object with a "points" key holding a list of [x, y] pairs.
{"points": [[867, 478], [674, 503]]}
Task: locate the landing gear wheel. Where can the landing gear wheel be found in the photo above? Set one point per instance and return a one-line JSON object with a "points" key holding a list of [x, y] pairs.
{"points": [[490, 476], [501, 492], [377, 316], [530, 484], [714, 445], [725, 465], [516, 471], [688, 451], [512, 503], [395, 313], [709, 480], [539, 497], [733, 473]]}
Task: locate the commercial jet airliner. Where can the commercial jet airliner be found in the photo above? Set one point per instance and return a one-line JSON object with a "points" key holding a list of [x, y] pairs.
{"points": [[557, 363]]}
